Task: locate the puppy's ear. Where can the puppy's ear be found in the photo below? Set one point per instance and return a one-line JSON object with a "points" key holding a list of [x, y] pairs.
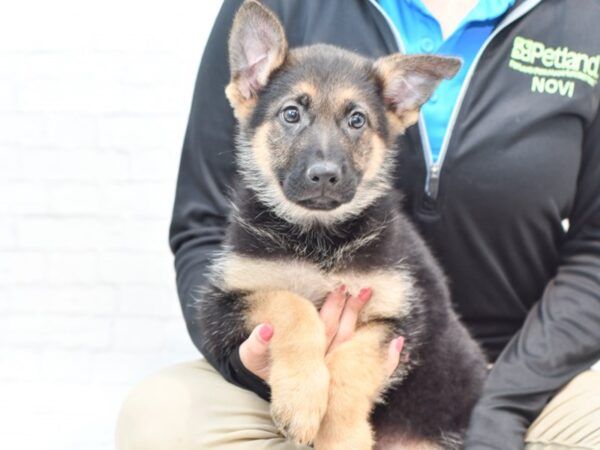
{"points": [[409, 80], [257, 46]]}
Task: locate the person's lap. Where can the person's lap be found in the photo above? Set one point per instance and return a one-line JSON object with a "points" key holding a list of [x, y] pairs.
{"points": [[572, 419], [190, 406]]}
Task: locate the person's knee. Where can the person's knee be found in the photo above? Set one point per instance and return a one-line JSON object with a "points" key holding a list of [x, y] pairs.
{"points": [[572, 418], [155, 415], [191, 406]]}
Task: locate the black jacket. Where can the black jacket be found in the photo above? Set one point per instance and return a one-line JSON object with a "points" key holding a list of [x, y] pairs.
{"points": [[523, 155]]}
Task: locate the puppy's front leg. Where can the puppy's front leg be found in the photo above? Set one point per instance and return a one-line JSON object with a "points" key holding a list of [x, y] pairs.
{"points": [[358, 376], [298, 375]]}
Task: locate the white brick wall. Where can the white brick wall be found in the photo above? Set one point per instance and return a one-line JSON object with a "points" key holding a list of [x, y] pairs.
{"points": [[94, 98]]}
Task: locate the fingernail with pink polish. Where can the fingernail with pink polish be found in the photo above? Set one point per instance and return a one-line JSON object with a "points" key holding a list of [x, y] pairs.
{"points": [[266, 332], [399, 343], [365, 294]]}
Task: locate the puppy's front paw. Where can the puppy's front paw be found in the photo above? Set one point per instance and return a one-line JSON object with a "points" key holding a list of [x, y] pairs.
{"points": [[344, 436], [299, 402]]}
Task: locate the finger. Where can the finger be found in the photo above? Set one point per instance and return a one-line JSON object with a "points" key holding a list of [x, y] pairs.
{"points": [[331, 311], [254, 351], [393, 357], [350, 316]]}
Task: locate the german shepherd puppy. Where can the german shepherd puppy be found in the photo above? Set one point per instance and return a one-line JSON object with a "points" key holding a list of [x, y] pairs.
{"points": [[315, 208]]}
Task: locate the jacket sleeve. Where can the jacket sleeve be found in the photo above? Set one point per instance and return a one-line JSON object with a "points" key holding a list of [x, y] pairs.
{"points": [[205, 175], [561, 335]]}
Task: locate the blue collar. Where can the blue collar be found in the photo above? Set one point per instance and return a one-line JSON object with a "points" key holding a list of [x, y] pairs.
{"points": [[484, 10]]}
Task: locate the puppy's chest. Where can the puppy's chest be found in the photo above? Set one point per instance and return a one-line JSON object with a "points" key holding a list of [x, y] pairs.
{"points": [[393, 288]]}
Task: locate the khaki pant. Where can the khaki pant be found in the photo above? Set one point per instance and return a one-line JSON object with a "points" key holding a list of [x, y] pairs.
{"points": [[191, 407]]}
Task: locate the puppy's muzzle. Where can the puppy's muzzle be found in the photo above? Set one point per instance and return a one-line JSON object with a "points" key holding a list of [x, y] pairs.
{"points": [[322, 183]]}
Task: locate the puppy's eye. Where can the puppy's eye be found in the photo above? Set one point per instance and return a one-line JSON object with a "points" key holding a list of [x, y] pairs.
{"points": [[291, 114], [357, 120]]}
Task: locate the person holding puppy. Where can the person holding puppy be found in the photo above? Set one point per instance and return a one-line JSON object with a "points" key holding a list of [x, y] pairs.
{"points": [[503, 155]]}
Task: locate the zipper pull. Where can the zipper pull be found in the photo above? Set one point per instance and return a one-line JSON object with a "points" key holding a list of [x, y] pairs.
{"points": [[433, 183]]}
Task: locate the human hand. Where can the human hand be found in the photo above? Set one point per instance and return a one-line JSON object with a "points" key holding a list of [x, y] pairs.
{"points": [[339, 313]]}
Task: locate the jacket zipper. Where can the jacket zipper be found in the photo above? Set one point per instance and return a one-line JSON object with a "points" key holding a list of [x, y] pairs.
{"points": [[434, 169]]}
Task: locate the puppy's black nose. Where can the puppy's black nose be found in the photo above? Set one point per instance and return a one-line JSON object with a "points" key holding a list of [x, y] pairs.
{"points": [[324, 173]]}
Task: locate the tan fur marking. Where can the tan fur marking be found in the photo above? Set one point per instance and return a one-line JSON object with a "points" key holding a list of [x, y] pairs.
{"points": [[386, 67], [263, 156], [410, 118], [305, 87], [342, 95], [398, 125], [392, 289], [376, 158], [298, 376], [357, 371], [242, 107]]}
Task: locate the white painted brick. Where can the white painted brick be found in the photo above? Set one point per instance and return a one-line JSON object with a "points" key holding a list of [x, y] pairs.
{"points": [[8, 82], [13, 392], [148, 234], [77, 332], [39, 95], [148, 301], [139, 334], [43, 298], [56, 131], [161, 99], [19, 129], [47, 77], [143, 199], [157, 16], [75, 165], [66, 365], [59, 331], [54, 233], [140, 69], [70, 131], [76, 132], [139, 133], [135, 268], [23, 198], [62, 400], [22, 267], [21, 330], [53, 431], [7, 234], [58, 66], [155, 165], [19, 364], [74, 198], [10, 163], [64, 24], [72, 268], [6, 298], [92, 118], [128, 368]]}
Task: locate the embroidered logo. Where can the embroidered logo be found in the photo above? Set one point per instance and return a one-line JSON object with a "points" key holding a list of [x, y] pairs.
{"points": [[553, 70]]}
